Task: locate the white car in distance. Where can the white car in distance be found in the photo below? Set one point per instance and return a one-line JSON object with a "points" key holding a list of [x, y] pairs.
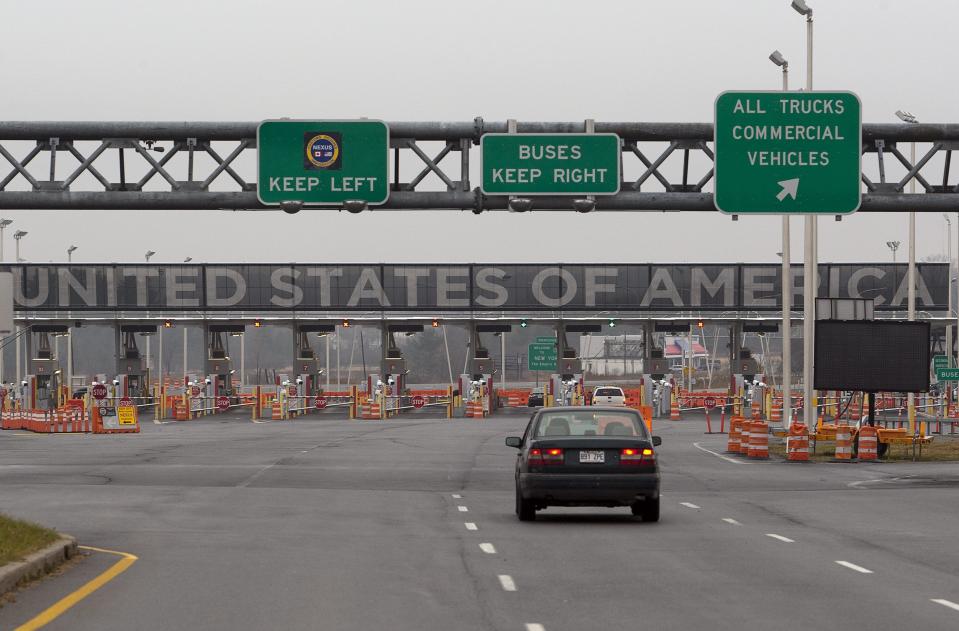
{"points": [[609, 395]]}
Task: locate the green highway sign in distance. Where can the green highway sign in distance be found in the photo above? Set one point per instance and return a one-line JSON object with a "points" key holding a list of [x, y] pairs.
{"points": [[947, 374], [550, 164], [545, 339], [788, 152], [541, 357], [940, 361], [322, 162]]}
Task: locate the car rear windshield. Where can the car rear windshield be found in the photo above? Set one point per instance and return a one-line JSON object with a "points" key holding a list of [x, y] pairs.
{"points": [[590, 424], [609, 392]]}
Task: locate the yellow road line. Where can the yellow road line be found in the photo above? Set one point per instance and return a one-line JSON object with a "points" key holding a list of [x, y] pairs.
{"points": [[60, 607]]}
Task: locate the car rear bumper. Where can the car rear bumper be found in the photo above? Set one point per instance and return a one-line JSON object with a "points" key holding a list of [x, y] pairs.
{"points": [[586, 489]]}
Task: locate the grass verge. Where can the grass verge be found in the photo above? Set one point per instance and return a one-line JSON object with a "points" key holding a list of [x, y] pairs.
{"points": [[19, 538]]}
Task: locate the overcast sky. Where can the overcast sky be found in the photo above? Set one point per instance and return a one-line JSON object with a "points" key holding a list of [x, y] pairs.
{"points": [[449, 60]]}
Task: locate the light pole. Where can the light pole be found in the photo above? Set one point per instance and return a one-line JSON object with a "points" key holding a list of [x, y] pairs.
{"points": [[148, 254], [146, 257], [906, 117], [70, 251], [19, 234], [3, 224], [188, 259], [893, 245], [949, 258], [810, 273], [777, 58]]}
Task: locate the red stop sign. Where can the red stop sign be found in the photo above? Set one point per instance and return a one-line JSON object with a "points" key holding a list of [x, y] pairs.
{"points": [[195, 391], [292, 391], [418, 401], [222, 404], [99, 391], [126, 402], [320, 403], [709, 403]]}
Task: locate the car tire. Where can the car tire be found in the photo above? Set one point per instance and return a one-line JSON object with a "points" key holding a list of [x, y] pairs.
{"points": [[648, 509], [525, 509]]}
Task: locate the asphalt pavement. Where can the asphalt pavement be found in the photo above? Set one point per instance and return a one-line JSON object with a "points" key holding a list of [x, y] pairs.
{"points": [[325, 523]]}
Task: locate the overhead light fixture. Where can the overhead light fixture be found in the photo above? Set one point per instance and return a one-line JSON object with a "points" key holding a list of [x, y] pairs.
{"points": [[257, 324], [520, 204], [584, 205], [346, 324], [355, 205], [436, 323], [777, 58], [168, 324], [291, 207], [802, 8]]}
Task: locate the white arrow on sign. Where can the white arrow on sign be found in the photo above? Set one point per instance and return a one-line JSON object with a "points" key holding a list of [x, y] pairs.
{"points": [[790, 187]]}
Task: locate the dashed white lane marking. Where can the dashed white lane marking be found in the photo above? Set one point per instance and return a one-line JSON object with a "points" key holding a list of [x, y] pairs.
{"points": [[730, 520], [462, 509], [688, 505], [853, 566], [940, 601], [457, 496], [534, 626], [780, 537], [487, 548], [470, 525], [507, 582], [710, 451]]}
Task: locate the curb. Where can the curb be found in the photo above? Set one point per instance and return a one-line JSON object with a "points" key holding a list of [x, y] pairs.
{"points": [[37, 564]]}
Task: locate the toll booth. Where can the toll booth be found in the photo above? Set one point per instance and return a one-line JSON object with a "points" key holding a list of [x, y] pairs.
{"points": [[40, 388], [393, 364], [306, 365], [656, 379], [219, 367], [132, 373], [477, 386], [565, 386], [743, 367]]}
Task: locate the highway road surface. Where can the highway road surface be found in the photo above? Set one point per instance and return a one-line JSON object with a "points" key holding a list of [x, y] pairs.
{"points": [[408, 524]]}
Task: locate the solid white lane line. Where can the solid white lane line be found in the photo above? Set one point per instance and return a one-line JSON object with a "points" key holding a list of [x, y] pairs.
{"points": [[730, 520], [940, 601], [853, 566], [487, 548], [710, 451], [534, 626], [462, 509], [470, 525], [688, 505], [507, 582], [457, 496], [780, 537]]}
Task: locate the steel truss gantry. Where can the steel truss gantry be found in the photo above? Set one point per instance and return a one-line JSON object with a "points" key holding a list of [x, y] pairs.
{"points": [[211, 165]]}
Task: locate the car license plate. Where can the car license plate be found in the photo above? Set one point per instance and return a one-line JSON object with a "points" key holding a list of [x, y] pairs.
{"points": [[592, 456]]}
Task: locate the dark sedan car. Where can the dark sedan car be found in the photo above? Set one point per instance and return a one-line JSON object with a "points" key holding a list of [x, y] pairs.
{"points": [[587, 456], [536, 396]]}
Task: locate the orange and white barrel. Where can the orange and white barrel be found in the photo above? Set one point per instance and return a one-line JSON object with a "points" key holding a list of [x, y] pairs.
{"points": [[797, 443], [758, 440], [868, 443], [843, 442]]}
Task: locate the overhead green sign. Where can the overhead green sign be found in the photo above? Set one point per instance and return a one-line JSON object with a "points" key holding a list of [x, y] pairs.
{"points": [[545, 339], [322, 162], [940, 361], [541, 357], [947, 374], [550, 164], [788, 152]]}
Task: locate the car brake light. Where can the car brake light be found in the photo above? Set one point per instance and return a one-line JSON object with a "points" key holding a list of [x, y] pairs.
{"points": [[635, 456], [540, 457]]}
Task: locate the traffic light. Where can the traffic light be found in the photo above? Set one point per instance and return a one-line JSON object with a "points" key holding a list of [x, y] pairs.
{"points": [[168, 324], [523, 324], [612, 323], [346, 324], [257, 323], [436, 323]]}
